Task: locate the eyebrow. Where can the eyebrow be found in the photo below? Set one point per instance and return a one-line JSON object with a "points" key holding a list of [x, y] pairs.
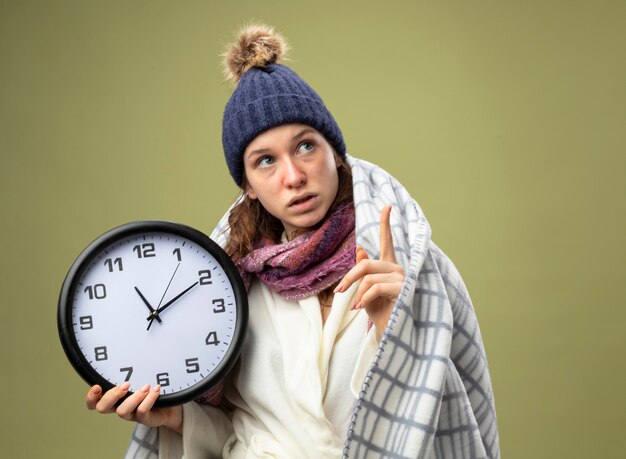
{"points": [[305, 131]]}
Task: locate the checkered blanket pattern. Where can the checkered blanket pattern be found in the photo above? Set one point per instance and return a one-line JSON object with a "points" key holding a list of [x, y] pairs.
{"points": [[428, 392]]}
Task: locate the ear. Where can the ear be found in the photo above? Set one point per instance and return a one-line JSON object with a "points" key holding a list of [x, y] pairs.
{"points": [[337, 160], [250, 192]]}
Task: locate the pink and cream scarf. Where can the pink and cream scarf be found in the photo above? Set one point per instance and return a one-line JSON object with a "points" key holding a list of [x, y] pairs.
{"points": [[308, 264]]}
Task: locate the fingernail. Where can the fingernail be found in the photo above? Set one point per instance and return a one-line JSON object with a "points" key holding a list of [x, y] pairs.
{"points": [[145, 388], [157, 388], [96, 391], [125, 386], [358, 305]]}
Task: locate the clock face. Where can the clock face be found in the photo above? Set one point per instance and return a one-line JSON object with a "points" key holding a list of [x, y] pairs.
{"points": [[153, 303]]}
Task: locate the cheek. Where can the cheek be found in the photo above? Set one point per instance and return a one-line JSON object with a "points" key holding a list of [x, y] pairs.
{"points": [[261, 188], [332, 172], [266, 197], [331, 180]]}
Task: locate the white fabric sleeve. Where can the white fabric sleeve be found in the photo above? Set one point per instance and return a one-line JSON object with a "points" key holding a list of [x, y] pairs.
{"points": [[205, 431], [364, 361]]}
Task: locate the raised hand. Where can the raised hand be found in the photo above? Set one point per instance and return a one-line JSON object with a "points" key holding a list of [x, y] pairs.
{"points": [[381, 280]]}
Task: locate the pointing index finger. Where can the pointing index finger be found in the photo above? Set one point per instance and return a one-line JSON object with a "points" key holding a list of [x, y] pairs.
{"points": [[386, 238]]}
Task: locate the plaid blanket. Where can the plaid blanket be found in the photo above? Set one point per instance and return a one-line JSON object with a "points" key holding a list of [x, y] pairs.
{"points": [[428, 393]]}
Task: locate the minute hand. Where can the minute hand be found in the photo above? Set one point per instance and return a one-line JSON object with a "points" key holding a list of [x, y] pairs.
{"points": [[156, 313]]}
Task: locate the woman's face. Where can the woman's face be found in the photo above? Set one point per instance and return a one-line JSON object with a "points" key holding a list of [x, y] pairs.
{"points": [[292, 170]]}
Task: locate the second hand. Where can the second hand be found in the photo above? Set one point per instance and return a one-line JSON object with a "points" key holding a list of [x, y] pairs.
{"points": [[156, 313]]}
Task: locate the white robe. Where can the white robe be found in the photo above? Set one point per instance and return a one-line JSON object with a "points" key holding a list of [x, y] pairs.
{"points": [[294, 389]]}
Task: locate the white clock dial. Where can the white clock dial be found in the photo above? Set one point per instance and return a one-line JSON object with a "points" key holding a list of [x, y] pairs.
{"points": [[154, 307]]}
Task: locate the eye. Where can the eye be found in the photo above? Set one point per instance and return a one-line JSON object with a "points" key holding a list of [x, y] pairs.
{"points": [[265, 161], [306, 147]]}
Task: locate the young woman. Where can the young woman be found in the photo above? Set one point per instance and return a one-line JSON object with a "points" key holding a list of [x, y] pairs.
{"points": [[350, 350]]}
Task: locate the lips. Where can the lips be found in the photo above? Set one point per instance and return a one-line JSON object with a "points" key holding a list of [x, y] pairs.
{"points": [[298, 200]]}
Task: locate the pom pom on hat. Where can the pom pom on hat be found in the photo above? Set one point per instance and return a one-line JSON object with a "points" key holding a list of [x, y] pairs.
{"points": [[257, 46], [267, 95]]}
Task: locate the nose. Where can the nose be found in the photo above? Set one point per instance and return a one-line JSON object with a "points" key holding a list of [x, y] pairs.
{"points": [[294, 175]]}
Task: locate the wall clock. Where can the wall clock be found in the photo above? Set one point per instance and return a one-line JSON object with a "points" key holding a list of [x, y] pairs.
{"points": [[153, 302]]}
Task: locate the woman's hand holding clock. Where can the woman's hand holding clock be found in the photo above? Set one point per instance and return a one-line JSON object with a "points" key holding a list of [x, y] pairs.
{"points": [[138, 407]]}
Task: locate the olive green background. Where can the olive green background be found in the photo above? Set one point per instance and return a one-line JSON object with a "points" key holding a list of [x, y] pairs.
{"points": [[505, 120]]}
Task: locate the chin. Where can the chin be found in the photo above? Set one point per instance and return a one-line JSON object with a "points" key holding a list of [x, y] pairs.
{"points": [[306, 223]]}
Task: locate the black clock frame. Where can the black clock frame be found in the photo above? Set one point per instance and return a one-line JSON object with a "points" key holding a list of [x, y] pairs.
{"points": [[66, 300]]}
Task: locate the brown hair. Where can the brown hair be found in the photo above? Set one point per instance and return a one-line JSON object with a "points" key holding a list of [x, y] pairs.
{"points": [[249, 221]]}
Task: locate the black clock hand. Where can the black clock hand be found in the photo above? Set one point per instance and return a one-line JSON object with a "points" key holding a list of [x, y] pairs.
{"points": [[147, 304], [170, 302], [156, 313]]}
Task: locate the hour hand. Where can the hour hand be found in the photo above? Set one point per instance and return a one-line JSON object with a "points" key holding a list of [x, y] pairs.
{"points": [[148, 305]]}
